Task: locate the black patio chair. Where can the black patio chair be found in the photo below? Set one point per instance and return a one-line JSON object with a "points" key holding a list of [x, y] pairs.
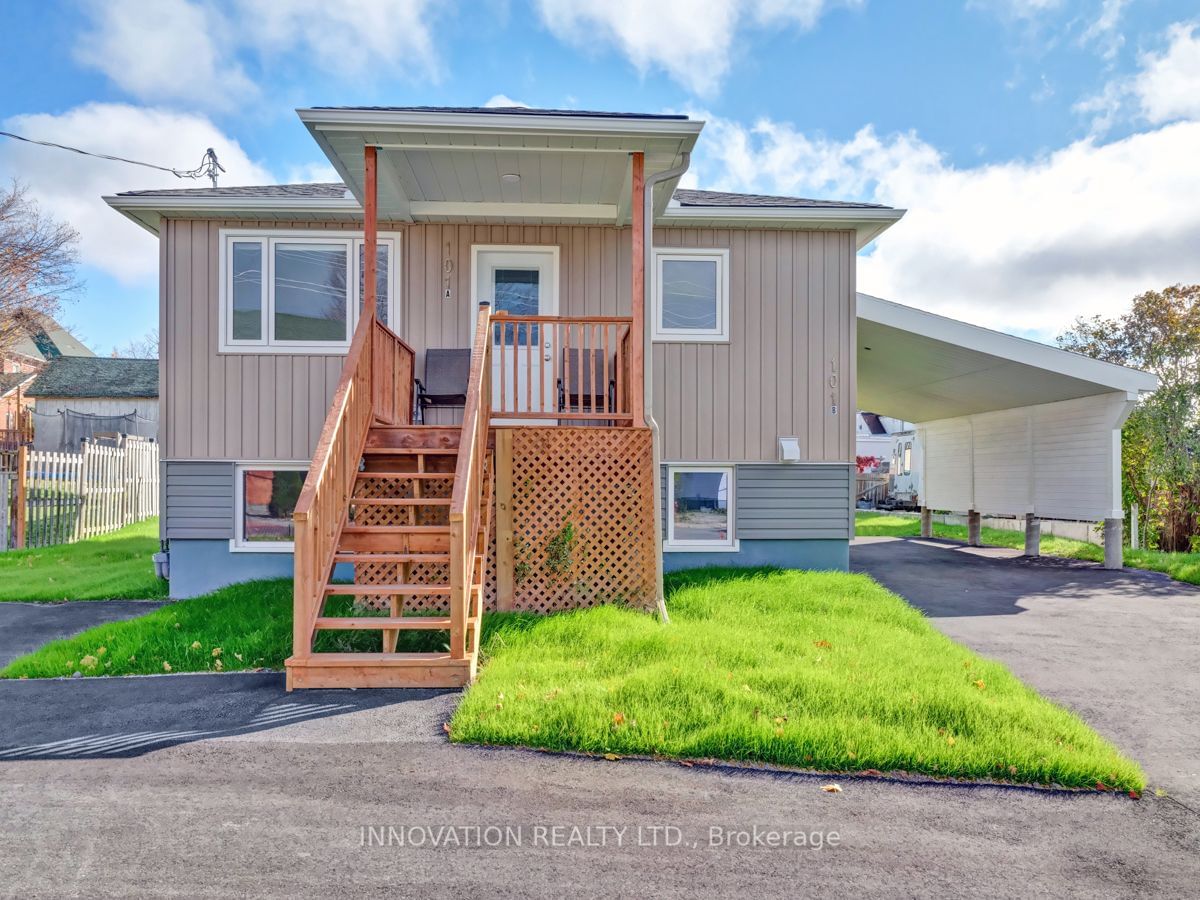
{"points": [[447, 373], [584, 391]]}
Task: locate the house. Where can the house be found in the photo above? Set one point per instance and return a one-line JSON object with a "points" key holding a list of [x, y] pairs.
{"points": [[27, 341], [874, 435], [617, 376], [78, 397]]}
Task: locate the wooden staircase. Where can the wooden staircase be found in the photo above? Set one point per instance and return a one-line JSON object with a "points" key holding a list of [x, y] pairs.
{"points": [[406, 508]]}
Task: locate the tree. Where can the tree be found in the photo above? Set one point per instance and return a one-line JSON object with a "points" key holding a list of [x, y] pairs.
{"points": [[145, 347], [38, 256], [1161, 440]]}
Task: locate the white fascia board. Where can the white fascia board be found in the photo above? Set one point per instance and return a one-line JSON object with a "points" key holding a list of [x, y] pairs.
{"points": [[356, 119], [867, 223], [1004, 346]]}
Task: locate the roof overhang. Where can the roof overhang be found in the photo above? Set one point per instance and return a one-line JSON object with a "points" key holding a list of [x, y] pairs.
{"points": [[866, 223], [437, 166], [922, 367], [149, 211]]}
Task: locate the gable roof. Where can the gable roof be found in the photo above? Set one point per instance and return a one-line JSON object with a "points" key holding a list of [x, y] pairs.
{"points": [[41, 337], [9, 381], [329, 190], [724, 199], [97, 376]]}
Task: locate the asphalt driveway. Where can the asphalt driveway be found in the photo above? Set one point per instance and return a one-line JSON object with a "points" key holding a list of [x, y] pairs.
{"points": [[225, 785], [1120, 648], [26, 626]]}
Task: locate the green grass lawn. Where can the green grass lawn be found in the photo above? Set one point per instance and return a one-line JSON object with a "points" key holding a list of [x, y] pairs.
{"points": [[116, 565], [817, 670], [1180, 566]]}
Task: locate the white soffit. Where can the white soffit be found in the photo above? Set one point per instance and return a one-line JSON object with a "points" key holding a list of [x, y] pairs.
{"points": [[922, 367], [447, 166]]}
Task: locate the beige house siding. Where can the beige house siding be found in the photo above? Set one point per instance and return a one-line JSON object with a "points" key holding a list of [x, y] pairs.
{"points": [[791, 322]]}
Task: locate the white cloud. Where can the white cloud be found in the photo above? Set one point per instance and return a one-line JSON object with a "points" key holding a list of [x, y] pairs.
{"points": [[166, 50], [691, 40], [503, 100], [1165, 87], [1168, 86], [1016, 9], [195, 50], [1104, 31], [311, 173], [69, 187], [1022, 245]]}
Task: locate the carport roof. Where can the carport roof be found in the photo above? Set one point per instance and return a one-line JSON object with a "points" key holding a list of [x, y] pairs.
{"points": [[922, 367]]}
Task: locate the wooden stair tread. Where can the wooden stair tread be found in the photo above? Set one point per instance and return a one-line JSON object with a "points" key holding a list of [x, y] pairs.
{"points": [[399, 623], [400, 501], [376, 659], [426, 476], [396, 529], [345, 557], [411, 451], [372, 589]]}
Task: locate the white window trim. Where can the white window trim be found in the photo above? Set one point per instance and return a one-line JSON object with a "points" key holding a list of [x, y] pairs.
{"points": [[718, 335], [238, 543], [267, 238], [731, 543]]}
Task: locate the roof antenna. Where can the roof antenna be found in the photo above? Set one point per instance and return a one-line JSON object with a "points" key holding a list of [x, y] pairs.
{"points": [[210, 166]]}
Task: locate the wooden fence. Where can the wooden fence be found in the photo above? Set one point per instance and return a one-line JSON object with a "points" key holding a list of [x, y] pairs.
{"points": [[60, 498]]}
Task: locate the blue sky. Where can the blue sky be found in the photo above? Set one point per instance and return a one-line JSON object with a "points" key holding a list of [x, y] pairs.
{"points": [[1045, 148]]}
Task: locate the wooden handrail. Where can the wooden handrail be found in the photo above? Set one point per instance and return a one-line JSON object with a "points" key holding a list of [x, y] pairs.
{"points": [[375, 385], [467, 497]]}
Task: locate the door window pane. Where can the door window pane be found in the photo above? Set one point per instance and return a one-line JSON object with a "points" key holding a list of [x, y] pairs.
{"points": [[268, 501], [517, 293], [310, 292], [247, 290], [381, 281], [701, 506], [689, 294]]}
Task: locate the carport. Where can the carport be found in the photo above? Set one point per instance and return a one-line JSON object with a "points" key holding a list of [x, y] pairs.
{"points": [[1006, 426]]}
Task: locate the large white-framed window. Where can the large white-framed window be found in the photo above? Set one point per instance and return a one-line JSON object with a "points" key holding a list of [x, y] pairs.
{"points": [[265, 495], [298, 291], [700, 507], [691, 294]]}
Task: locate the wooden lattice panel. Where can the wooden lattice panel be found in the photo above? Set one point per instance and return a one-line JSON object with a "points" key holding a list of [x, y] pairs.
{"points": [[597, 483]]}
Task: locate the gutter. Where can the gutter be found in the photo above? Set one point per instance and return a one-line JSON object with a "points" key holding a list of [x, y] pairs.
{"points": [[648, 368]]}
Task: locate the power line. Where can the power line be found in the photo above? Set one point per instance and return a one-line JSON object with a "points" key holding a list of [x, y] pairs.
{"points": [[208, 168]]}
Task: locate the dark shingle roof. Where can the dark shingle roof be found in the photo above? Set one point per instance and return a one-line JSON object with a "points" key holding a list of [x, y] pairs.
{"points": [[38, 336], [97, 376], [513, 110], [337, 191], [9, 380], [691, 198], [323, 191]]}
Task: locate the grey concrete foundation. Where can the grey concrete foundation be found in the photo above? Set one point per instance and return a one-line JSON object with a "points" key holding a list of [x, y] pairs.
{"points": [[1113, 555], [974, 520], [926, 522], [1033, 535]]}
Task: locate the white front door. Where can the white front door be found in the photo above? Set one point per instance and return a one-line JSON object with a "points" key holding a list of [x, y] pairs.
{"points": [[521, 281]]}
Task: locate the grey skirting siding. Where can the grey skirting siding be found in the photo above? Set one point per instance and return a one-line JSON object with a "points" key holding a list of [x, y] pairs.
{"points": [[199, 499], [794, 501]]}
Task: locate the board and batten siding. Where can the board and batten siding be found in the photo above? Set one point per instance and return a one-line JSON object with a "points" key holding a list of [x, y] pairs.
{"points": [[790, 357], [787, 501], [198, 500]]}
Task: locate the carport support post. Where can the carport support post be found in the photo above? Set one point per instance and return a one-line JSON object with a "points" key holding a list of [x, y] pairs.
{"points": [[1113, 555], [974, 519], [1033, 535], [926, 522]]}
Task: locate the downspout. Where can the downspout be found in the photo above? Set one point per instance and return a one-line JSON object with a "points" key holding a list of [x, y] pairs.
{"points": [[648, 370]]}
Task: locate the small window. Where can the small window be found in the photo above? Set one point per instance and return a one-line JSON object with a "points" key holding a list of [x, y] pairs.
{"points": [[691, 295], [297, 292], [266, 499], [908, 458], [700, 504]]}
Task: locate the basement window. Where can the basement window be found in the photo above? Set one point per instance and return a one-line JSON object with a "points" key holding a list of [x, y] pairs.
{"points": [[700, 506], [691, 295], [298, 291], [266, 496]]}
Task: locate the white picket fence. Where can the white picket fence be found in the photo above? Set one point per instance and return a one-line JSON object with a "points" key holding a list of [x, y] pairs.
{"points": [[61, 498]]}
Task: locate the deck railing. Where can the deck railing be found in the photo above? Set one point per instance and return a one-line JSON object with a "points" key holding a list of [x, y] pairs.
{"points": [[376, 385], [467, 500], [572, 369]]}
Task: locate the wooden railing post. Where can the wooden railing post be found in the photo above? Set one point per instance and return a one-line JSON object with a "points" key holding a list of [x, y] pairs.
{"points": [[22, 491]]}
